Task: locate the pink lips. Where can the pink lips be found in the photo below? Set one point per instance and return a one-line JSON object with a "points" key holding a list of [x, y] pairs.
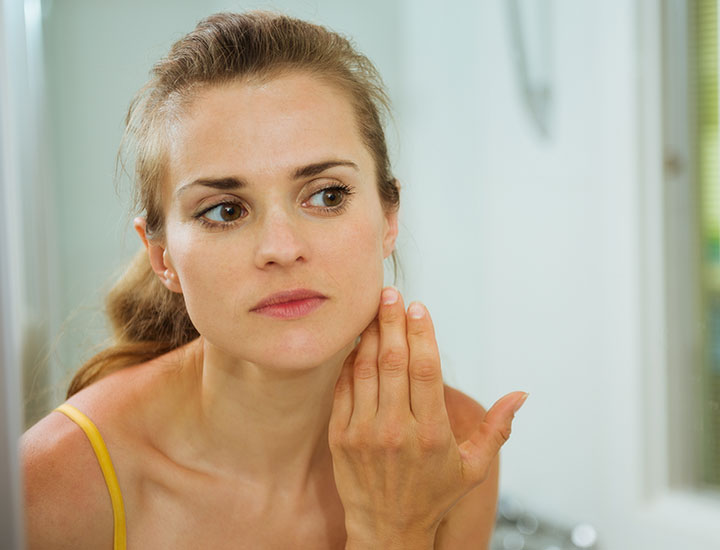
{"points": [[290, 304]]}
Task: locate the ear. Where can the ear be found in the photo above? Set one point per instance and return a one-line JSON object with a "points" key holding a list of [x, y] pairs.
{"points": [[391, 232], [159, 258]]}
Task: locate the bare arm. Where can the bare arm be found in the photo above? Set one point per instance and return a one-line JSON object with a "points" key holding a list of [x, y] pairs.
{"points": [[66, 502]]}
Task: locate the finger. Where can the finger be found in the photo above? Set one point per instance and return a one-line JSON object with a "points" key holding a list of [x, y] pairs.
{"points": [[484, 444], [343, 397], [427, 395], [365, 374], [394, 390]]}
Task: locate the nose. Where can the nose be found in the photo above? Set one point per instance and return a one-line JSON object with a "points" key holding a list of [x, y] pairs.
{"points": [[280, 241]]}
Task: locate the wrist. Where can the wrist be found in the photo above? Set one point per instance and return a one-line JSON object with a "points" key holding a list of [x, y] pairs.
{"points": [[399, 543], [390, 540]]}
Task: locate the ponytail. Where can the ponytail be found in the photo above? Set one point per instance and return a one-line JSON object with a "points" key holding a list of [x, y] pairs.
{"points": [[147, 321]]}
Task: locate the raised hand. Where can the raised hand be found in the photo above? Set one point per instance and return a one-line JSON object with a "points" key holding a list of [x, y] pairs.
{"points": [[398, 469]]}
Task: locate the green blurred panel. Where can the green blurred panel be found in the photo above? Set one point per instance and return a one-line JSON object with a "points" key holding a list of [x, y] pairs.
{"points": [[708, 152], [707, 139]]}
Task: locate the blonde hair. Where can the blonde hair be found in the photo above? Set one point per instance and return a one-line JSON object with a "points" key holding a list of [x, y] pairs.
{"points": [[147, 319]]}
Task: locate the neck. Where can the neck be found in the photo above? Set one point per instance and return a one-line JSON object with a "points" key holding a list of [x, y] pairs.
{"points": [[264, 425]]}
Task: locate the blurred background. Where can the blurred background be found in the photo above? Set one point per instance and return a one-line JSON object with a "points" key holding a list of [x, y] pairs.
{"points": [[560, 218]]}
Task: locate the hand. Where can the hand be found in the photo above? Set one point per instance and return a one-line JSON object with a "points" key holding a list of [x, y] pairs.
{"points": [[398, 469]]}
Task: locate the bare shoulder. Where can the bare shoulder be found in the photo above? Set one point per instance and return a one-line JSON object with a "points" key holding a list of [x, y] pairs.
{"points": [[66, 500], [470, 523], [67, 504]]}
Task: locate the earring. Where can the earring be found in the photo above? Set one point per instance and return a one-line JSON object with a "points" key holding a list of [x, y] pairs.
{"points": [[169, 275]]}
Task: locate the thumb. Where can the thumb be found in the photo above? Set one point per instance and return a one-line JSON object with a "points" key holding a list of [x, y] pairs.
{"points": [[480, 450]]}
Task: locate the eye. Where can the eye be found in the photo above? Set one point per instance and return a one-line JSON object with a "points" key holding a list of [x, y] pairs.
{"points": [[225, 212], [330, 197]]}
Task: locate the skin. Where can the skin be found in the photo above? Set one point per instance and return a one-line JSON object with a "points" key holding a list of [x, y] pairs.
{"points": [[268, 433]]}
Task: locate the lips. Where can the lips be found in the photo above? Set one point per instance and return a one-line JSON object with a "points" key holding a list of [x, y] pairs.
{"points": [[286, 297]]}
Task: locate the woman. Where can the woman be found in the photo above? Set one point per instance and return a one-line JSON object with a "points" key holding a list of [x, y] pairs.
{"points": [[237, 406]]}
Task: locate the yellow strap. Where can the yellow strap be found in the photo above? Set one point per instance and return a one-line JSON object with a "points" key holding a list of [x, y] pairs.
{"points": [[106, 466]]}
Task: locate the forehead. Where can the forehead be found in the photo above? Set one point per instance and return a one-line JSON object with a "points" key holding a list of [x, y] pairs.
{"points": [[265, 128]]}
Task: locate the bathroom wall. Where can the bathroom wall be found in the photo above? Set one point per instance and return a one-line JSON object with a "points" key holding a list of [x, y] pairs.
{"points": [[528, 251], [531, 253]]}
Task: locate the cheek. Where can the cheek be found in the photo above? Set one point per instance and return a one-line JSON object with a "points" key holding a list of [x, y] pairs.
{"points": [[357, 267], [206, 272]]}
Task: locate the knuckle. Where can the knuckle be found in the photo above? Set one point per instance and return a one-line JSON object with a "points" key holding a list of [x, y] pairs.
{"points": [[365, 369], [391, 437], [391, 441], [393, 359], [502, 435], [350, 359], [417, 327], [337, 439], [343, 385], [357, 438], [424, 369], [434, 436]]}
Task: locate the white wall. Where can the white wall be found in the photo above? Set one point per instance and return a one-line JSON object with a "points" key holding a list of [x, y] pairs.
{"points": [[529, 253], [518, 253]]}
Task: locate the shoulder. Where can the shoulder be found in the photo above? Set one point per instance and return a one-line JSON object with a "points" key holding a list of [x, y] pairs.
{"points": [[66, 500], [67, 504], [470, 523]]}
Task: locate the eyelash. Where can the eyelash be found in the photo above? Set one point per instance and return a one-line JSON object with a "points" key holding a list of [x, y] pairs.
{"points": [[336, 210]]}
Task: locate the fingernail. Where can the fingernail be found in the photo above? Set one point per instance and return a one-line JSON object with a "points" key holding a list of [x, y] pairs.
{"points": [[389, 295], [416, 310], [520, 403]]}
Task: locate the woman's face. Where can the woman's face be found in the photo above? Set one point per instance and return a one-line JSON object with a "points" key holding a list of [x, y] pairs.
{"points": [[271, 189]]}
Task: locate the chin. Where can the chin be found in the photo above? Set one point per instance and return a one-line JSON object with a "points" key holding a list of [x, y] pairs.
{"points": [[304, 350], [326, 336]]}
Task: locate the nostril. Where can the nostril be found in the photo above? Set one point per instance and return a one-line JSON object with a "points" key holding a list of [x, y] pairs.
{"points": [[286, 250]]}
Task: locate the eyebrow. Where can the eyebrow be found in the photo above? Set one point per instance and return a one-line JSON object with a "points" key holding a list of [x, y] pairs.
{"points": [[229, 183], [319, 167]]}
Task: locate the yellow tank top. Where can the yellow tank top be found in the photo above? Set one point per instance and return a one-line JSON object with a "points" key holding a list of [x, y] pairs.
{"points": [[98, 445]]}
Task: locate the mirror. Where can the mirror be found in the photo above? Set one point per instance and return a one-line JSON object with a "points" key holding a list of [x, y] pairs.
{"points": [[563, 263]]}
